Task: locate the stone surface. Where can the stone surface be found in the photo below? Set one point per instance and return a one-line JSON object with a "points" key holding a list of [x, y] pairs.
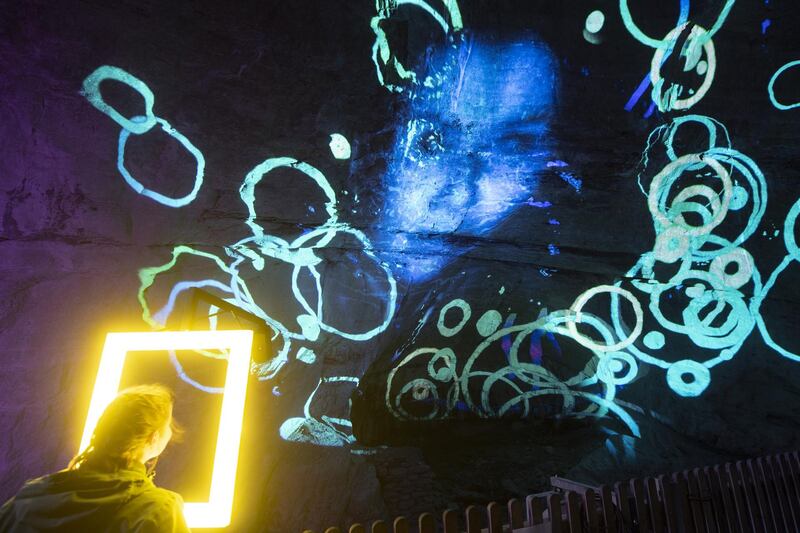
{"points": [[248, 81]]}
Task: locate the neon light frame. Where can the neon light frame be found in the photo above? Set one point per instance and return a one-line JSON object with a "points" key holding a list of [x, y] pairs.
{"points": [[216, 512]]}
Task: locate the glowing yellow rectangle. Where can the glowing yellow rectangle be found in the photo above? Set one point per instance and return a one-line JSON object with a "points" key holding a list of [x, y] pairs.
{"points": [[216, 512]]}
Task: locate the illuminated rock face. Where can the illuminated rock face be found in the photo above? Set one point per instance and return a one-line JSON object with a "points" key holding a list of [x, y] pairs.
{"points": [[470, 148], [421, 249]]}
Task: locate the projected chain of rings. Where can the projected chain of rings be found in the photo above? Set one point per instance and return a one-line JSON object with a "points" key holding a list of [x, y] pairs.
{"points": [[140, 125], [224, 272], [685, 307]]}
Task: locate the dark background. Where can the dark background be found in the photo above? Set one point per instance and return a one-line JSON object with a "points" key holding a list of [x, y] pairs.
{"points": [[250, 80]]}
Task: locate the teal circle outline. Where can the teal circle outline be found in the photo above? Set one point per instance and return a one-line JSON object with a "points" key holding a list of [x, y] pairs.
{"points": [[467, 313], [771, 86], [91, 90], [701, 374], [137, 186]]}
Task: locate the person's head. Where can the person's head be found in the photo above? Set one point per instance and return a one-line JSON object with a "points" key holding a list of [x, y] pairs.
{"points": [[135, 427]]}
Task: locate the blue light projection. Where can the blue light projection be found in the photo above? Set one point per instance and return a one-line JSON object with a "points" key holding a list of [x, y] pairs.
{"points": [[91, 90], [471, 148], [716, 317], [449, 382], [698, 251]]}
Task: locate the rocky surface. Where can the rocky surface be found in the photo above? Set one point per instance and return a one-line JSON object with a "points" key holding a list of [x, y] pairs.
{"points": [[255, 80]]}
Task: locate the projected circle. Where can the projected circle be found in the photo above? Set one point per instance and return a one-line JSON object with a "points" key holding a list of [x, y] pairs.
{"points": [[137, 186], [591, 344], [688, 378]]}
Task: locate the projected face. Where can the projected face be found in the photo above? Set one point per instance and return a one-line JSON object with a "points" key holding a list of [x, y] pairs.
{"points": [[472, 147], [683, 307]]}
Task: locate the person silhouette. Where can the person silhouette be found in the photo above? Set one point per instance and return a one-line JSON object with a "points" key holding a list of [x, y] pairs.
{"points": [[108, 487]]}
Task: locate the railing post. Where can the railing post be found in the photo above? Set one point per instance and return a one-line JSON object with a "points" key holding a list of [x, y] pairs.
{"points": [[590, 510], [554, 509], [642, 512], [574, 512], [670, 505], [705, 498], [682, 501], [401, 525], [780, 489], [749, 507], [794, 459], [534, 506], [719, 497], [494, 512], [792, 497], [426, 523], [515, 514], [759, 500], [450, 521], [609, 511], [764, 473], [693, 495], [474, 523], [379, 526], [655, 505]]}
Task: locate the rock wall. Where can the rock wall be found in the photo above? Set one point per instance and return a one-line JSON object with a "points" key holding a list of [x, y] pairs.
{"points": [[489, 242]]}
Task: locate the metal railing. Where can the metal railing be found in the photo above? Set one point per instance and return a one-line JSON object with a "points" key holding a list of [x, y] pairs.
{"points": [[759, 495]]}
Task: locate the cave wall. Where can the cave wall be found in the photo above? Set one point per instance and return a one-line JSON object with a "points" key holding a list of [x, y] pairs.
{"points": [[491, 241]]}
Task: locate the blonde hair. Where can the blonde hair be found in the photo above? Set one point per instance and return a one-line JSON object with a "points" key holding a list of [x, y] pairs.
{"points": [[125, 428]]}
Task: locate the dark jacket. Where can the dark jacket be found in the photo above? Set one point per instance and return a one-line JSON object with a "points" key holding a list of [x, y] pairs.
{"points": [[91, 501]]}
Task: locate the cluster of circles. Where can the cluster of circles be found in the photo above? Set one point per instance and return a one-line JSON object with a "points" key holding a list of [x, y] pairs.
{"points": [[688, 218], [698, 43], [712, 269], [301, 252], [590, 392]]}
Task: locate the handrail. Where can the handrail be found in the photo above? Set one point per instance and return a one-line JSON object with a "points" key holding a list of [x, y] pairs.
{"points": [[761, 494]]}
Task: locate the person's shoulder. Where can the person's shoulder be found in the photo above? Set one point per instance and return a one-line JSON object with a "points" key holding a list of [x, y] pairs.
{"points": [[157, 510], [38, 485], [156, 495]]}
